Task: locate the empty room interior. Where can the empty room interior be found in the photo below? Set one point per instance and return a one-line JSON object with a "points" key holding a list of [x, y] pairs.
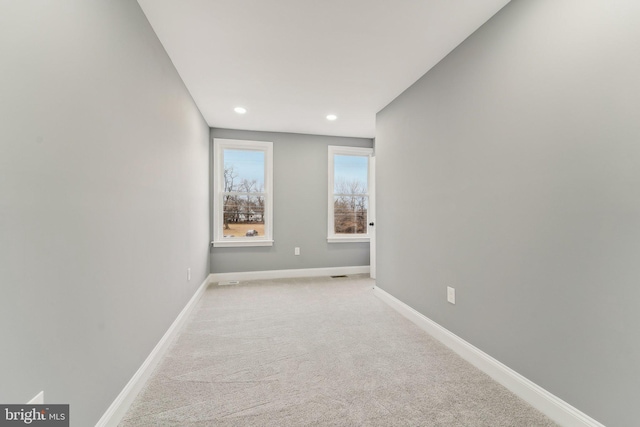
{"points": [[321, 213]]}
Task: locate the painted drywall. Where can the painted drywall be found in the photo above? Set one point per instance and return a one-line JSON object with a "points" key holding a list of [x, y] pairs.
{"points": [[511, 172], [300, 168], [104, 200]]}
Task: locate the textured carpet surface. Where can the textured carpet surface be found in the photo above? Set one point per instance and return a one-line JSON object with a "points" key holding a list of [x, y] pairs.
{"points": [[309, 352]]}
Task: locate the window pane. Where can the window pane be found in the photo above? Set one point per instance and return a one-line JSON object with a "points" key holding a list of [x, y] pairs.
{"points": [[244, 170], [243, 216], [350, 214], [350, 174]]}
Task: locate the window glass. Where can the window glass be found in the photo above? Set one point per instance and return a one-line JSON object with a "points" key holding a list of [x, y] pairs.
{"points": [[243, 209], [350, 173]]}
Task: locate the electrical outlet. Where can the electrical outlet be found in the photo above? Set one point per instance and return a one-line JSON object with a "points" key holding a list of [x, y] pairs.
{"points": [[296, 251], [451, 295]]}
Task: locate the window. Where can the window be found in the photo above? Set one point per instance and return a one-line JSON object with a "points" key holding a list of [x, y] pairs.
{"points": [[243, 191], [349, 181]]}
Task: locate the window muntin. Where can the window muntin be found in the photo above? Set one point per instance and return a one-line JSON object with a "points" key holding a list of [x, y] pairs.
{"points": [[243, 193], [349, 184]]}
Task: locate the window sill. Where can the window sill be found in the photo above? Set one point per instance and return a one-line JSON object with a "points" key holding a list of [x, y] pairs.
{"points": [[335, 239], [241, 243]]}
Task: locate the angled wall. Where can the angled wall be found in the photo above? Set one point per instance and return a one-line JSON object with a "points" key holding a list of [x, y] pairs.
{"points": [[104, 168], [511, 172]]}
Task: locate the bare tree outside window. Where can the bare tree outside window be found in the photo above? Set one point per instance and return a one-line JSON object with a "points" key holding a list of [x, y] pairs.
{"points": [[243, 198], [350, 207], [350, 192]]}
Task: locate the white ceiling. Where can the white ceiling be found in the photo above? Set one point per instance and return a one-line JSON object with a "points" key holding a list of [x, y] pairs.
{"points": [[292, 62]]}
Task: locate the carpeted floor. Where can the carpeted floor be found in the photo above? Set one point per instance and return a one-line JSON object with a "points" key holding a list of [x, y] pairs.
{"points": [[316, 352]]}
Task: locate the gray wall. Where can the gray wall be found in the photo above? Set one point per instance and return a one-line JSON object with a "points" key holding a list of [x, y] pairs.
{"points": [[104, 199], [300, 164], [511, 171]]}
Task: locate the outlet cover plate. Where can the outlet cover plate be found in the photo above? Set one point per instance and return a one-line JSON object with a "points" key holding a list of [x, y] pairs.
{"points": [[451, 295]]}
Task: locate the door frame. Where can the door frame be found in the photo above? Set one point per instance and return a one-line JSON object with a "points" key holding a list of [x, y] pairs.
{"points": [[372, 216]]}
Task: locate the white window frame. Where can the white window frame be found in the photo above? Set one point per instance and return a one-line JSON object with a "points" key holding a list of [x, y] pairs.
{"points": [[219, 145], [334, 150]]}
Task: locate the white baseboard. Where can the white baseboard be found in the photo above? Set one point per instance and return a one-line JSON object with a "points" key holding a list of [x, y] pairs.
{"points": [[123, 401], [288, 274], [37, 400], [552, 406]]}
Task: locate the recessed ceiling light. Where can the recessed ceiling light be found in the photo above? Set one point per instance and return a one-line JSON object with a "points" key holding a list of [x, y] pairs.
{"points": [[240, 110], [332, 117]]}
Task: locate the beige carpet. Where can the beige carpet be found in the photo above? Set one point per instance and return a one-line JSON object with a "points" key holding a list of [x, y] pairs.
{"points": [[316, 352]]}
